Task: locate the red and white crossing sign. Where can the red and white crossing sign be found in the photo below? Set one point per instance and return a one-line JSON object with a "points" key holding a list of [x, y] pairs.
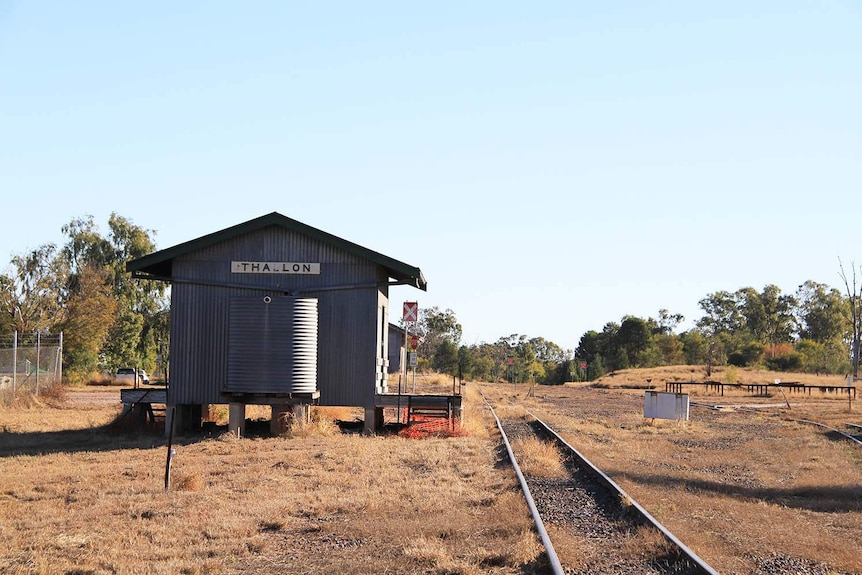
{"points": [[411, 311]]}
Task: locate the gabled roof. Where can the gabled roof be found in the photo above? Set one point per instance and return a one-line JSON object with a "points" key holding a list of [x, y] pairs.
{"points": [[160, 263]]}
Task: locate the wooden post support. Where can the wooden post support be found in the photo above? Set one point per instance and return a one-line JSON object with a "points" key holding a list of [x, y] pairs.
{"points": [[280, 419], [302, 412], [236, 419], [373, 420]]}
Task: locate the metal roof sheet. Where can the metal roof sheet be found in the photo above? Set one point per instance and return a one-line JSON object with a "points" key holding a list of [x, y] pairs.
{"points": [[160, 263]]}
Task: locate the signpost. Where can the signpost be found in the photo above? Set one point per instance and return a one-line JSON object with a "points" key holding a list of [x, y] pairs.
{"points": [[410, 315], [411, 311]]}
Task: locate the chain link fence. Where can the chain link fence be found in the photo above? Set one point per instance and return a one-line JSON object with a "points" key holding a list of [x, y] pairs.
{"points": [[31, 361]]}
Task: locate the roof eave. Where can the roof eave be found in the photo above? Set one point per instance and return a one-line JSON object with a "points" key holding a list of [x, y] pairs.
{"points": [[160, 263]]}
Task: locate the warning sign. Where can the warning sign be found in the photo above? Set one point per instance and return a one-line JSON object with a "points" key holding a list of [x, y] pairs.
{"points": [[411, 311], [414, 342]]}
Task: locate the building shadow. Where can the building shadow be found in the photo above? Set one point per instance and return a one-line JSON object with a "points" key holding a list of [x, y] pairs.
{"points": [[820, 498]]}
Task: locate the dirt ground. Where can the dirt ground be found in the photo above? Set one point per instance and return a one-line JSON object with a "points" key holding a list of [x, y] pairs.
{"points": [[90, 396], [742, 483]]}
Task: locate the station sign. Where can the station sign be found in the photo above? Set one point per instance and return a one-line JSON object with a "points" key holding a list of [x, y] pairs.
{"points": [[302, 268]]}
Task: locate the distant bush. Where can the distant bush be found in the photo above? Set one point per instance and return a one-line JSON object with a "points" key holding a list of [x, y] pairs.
{"points": [[789, 362]]}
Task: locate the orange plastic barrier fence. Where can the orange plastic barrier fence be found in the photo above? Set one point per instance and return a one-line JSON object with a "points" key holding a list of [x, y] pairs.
{"points": [[421, 427]]}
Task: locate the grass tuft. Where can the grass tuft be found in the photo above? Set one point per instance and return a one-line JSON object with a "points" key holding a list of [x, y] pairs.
{"points": [[319, 426], [187, 482], [539, 458]]}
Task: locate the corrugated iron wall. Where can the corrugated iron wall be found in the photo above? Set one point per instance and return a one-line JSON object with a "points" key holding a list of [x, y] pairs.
{"points": [[351, 348]]}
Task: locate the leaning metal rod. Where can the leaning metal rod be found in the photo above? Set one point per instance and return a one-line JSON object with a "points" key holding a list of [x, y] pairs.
{"points": [[170, 449]]}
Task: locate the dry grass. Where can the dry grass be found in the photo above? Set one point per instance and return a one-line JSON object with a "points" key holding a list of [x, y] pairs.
{"points": [[539, 458], [475, 417], [732, 483], [51, 395], [76, 497], [320, 425]]}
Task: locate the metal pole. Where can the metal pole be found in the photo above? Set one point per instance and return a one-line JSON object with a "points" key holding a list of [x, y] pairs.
{"points": [[38, 343], [60, 358], [14, 362], [406, 354], [171, 451], [398, 412]]}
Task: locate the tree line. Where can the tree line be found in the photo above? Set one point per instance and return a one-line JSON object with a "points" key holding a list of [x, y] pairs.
{"points": [[83, 290], [816, 330], [109, 319]]}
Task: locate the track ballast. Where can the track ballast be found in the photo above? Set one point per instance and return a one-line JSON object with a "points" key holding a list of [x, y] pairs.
{"points": [[601, 528]]}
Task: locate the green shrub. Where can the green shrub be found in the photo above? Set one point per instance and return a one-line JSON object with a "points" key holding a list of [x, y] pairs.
{"points": [[788, 362]]}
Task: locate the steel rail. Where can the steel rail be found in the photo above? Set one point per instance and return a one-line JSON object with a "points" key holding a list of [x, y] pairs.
{"points": [[611, 484], [823, 425], [806, 421], [554, 561]]}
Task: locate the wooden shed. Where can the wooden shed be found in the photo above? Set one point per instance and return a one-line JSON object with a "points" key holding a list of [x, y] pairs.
{"points": [[275, 312]]}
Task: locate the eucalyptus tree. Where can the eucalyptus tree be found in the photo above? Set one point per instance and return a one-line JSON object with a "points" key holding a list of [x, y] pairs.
{"points": [[33, 292], [667, 322], [435, 327], [722, 314], [91, 309], [822, 313], [139, 322], [666, 347], [634, 337], [854, 313], [768, 315]]}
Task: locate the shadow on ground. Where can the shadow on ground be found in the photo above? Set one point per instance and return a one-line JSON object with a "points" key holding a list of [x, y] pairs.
{"points": [[821, 499]]}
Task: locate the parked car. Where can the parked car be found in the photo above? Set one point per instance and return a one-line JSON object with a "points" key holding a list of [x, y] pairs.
{"points": [[126, 376]]}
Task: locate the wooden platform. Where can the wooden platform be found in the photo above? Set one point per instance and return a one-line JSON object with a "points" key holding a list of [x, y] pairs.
{"points": [[144, 395], [760, 388], [448, 406]]}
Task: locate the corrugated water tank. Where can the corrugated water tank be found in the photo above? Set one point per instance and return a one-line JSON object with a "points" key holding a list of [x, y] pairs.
{"points": [[272, 345]]}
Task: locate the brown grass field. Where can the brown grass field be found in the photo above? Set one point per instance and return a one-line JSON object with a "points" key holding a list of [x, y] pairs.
{"points": [[746, 486], [741, 488]]}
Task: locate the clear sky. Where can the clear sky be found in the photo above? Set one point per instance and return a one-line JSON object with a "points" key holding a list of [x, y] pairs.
{"points": [[550, 166]]}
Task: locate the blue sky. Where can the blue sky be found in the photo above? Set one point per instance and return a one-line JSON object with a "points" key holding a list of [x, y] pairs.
{"points": [[550, 166]]}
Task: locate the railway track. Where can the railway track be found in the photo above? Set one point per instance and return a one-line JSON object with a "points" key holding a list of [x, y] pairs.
{"points": [[602, 529], [851, 435]]}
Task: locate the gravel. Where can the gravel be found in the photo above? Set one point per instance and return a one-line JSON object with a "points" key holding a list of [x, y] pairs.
{"points": [[598, 524], [596, 517]]}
